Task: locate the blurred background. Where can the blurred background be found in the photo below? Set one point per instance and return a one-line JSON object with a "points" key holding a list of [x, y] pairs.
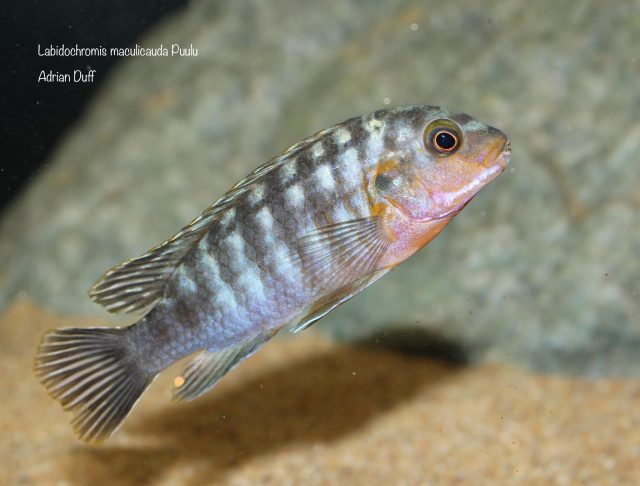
{"points": [[542, 268], [540, 271]]}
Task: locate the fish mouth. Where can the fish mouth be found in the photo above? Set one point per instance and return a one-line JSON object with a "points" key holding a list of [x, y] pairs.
{"points": [[449, 214], [505, 155], [500, 154], [496, 162]]}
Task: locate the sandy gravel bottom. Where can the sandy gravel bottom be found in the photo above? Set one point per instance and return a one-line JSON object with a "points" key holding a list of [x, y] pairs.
{"points": [[307, 411]]}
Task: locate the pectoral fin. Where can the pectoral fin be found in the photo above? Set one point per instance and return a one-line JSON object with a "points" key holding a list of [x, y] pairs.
{"points": [[321, 308], [336, 256]]}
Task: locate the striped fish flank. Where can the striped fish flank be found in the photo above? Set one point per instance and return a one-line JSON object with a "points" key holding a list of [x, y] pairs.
{"points": [[300, 235]]}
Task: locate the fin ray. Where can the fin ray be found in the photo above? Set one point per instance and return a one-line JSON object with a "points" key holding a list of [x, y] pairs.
{"points": [[98, 379], [334, 256], [208, 367], [137, 284], [321, 308]]}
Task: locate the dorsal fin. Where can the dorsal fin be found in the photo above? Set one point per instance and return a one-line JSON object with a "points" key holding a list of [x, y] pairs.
{"points": [[138, 283]]}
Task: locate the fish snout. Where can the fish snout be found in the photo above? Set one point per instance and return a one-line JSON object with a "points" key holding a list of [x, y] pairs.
{"points": [[500, 152]]}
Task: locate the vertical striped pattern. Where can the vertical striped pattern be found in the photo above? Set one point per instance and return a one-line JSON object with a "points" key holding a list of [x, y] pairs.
{"points": [[292, 240], [241, 276]]}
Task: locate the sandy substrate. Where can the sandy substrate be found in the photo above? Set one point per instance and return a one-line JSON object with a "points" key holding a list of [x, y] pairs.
{"points": [[306, 411]]}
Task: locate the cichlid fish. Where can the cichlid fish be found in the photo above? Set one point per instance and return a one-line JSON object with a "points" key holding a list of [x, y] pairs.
{"points": [[299, 236]]}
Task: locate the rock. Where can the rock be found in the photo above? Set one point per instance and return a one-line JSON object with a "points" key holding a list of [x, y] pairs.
{"points": [[541, 269]]}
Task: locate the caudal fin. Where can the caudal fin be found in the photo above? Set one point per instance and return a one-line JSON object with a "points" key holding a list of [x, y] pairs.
{"points": [[93, 374]]}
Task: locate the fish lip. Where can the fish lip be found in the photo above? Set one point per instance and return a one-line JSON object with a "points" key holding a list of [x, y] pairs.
{"points": [[448, 215], [505, 155], [500, 153]]}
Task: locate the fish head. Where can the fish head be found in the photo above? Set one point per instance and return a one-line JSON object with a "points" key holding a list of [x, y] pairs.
{"points": [[461, 156], [437, 162]]}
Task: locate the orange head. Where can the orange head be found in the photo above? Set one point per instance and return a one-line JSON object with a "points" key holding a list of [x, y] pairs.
{"points": [[434, 162]]}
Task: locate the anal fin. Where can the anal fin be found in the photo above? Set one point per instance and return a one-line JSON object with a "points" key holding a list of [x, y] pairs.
{"points": [[206, 369]]}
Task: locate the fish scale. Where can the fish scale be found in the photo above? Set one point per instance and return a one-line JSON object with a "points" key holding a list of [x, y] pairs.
{"points": [[243, 309], [300, 235], [319, 199]]}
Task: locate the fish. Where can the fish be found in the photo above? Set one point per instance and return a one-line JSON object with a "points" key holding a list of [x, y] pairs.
{"points": [[299, 236]]}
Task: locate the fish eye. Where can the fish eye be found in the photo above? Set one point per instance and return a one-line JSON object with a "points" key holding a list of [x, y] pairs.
{"points": [[442, 137], [445, 141]]}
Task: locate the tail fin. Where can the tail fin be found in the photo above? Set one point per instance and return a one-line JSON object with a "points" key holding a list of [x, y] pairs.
{"points": [[93, 374]]}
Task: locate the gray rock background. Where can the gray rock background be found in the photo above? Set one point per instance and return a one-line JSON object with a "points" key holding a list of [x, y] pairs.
{"points": [[542, 268]]}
